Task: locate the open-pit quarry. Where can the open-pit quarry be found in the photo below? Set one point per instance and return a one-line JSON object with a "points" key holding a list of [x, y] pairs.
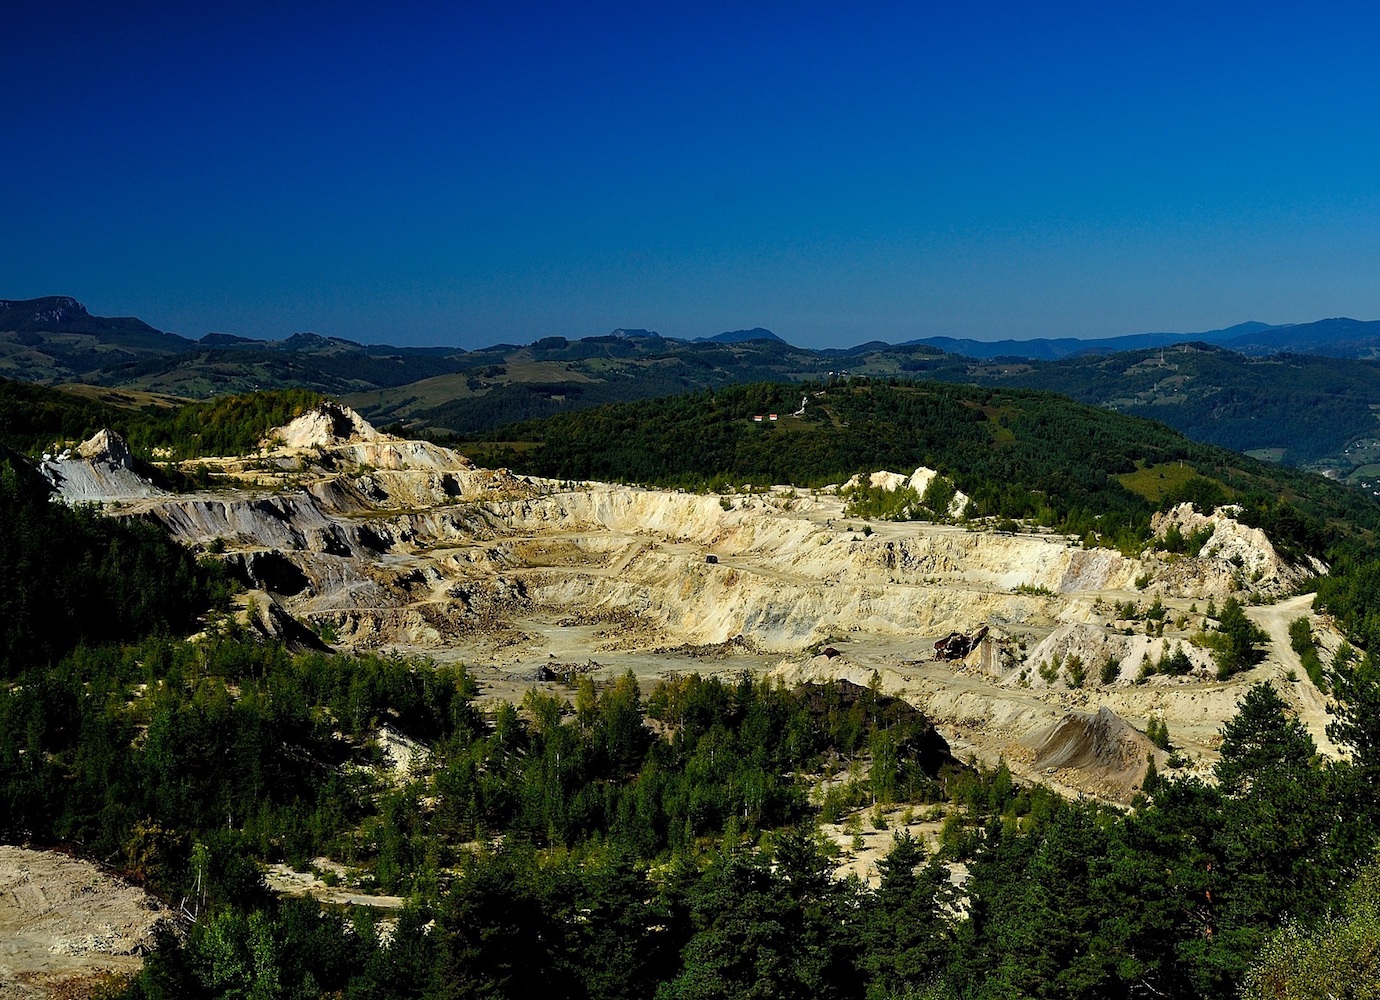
{"points": [[355, 539]]}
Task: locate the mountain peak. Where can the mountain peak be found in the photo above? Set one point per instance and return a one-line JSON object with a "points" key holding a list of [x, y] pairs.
{"points": [[47, 311], [740, 336], [62, 314], [224, 340], [305, 342]]}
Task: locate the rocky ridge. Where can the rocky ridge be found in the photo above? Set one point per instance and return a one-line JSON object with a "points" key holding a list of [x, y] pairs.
{"points": [[102, 469]]}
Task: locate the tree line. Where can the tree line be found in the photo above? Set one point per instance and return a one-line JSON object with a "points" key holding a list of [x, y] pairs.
{"points": [[1019, 454], [35, 418], [607, 843]]}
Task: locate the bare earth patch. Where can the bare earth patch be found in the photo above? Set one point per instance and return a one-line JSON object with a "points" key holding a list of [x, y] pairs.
{"points": [[383, 544], [283, 879], [67, 927]]}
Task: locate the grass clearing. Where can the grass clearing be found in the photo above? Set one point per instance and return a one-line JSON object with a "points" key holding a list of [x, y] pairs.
{"points": [[1154, 482]]}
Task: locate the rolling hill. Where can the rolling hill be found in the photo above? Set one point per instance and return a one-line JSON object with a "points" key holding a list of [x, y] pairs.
{"points": [[1303, 409], [1300, 394], [1016, 452]]}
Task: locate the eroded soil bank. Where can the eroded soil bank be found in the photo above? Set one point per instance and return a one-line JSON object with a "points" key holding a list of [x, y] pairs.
{"points": [[67, 927]]}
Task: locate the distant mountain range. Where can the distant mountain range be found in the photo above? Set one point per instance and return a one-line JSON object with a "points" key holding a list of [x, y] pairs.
{"points": [[740, 337], [1336, 338], [1299, 393], [1045, 349]]}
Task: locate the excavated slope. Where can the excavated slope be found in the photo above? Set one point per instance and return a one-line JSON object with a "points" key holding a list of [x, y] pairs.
{"points": [[101, 470], [377, 542], [65, 925]]}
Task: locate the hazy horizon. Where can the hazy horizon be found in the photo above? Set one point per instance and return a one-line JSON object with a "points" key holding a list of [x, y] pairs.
{"points": [[366, 339]]}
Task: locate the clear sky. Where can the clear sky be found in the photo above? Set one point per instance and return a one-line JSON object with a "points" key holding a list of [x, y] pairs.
{"points": [[468, 173]]}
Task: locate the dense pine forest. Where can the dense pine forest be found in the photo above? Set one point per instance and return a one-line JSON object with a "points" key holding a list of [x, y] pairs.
{"points": [[34, 418], [70, 578], [616, 842], [663, 847]]}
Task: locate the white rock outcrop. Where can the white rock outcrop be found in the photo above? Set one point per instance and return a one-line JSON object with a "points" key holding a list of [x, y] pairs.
{"points": [[333, 430], [919, 481], [102, 469], [1235, 556], [323, 426], [108, 447]]}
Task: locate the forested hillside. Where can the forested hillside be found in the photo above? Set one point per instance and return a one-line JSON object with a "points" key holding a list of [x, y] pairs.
{"points": [[73, 577], [1242, 389], [35, 418], [603, 839], [1308, 407], [1017, 453]]}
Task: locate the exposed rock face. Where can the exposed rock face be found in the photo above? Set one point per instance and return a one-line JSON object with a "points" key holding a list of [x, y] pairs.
{"points": [[108, 447], [285, 523], [380, 542], [269, 570], [1093, 645], [332, 430], [889, 481], [1236, 557], [919, 481], [324, 426], [784, 576], [102, 469], [266, 616]]}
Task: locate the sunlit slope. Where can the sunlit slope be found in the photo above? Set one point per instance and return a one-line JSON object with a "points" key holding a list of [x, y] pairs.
{"points": [[1018, 453]]}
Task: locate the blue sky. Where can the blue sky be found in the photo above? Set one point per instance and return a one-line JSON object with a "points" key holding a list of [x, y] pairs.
{"points": [[470, 173]]}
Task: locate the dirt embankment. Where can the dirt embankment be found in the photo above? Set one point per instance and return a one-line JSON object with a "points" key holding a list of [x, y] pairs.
{"points": [[67, 927]]}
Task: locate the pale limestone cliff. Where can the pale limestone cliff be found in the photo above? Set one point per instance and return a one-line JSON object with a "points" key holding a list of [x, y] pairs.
{"points": [[102, 469]]}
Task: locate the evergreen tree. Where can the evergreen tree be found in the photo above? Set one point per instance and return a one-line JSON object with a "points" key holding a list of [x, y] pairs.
{"points": [[907, 937], [1273, 852]]}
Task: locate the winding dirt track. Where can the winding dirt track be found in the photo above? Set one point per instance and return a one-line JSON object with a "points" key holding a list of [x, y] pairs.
{"points": [[1310, 703]]}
